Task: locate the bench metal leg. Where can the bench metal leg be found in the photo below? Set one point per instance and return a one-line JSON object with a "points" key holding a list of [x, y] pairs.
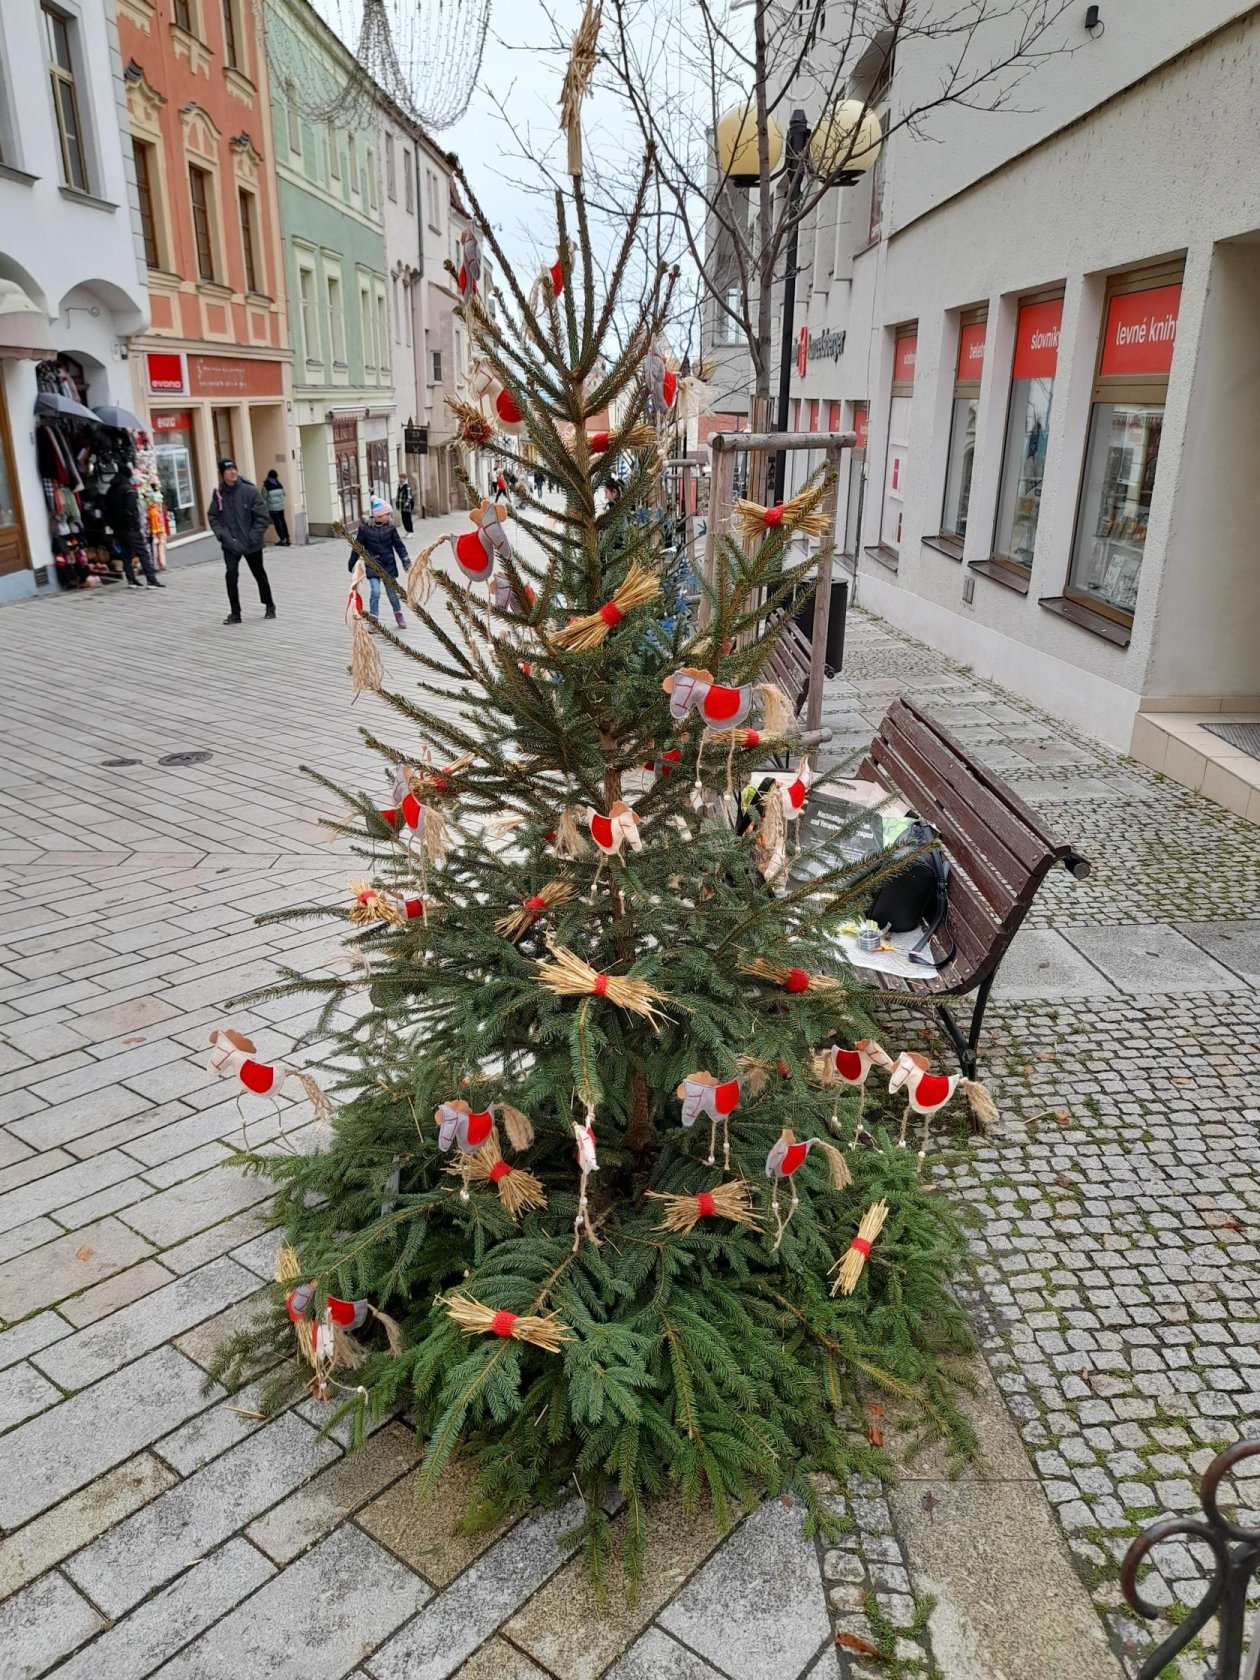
{"points": [[966, 1048]]}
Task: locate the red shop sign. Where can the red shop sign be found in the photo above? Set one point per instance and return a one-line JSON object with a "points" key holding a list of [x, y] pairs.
{"points": [[166, 371], [861, 420], [903, 360], [234, 376], [802, 351], [971, 350], [1037, 340], [181, 422], [1141, 331]]}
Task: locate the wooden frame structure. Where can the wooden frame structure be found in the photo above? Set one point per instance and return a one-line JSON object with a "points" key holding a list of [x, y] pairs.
{"points": [[725, 446]]}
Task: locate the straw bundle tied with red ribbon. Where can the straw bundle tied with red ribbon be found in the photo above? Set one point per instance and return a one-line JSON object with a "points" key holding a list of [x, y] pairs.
{"points": [[794, 980], [372, 905], [568, 976], [850, 1265], [590, 631], [799, 514], [727, 1201], [517, 1188], [518, 923], [543, 1331], [471, 425], [640, 436]]}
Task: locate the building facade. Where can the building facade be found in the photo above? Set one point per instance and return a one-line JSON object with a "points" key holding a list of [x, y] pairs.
{"points": [[212, 374], [71, 282], [333, 228], [1043, 327]]}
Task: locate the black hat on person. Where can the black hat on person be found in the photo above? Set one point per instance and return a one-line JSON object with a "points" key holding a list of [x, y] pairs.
{"points": [[225, 463]]}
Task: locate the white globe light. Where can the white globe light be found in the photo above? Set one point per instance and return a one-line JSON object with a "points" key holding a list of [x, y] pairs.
{"points": [[847, 139], [735, 141]]}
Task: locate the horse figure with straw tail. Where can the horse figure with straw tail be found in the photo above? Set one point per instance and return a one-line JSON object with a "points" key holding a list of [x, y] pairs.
{"points": [[928, 1093], [836, 1066], [784, 1161]]}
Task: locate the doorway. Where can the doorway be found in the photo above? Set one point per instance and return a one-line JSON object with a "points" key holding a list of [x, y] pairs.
{"points": [[224, 434]]}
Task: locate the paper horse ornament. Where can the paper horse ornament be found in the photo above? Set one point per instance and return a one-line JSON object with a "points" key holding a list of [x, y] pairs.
{"points": [[702, 1093]]}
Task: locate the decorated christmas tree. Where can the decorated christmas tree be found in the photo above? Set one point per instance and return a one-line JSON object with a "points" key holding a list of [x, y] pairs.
{"points": [[594, 1206]]}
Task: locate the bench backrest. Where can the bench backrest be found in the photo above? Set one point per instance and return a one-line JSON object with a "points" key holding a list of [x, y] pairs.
{"points": [[788, 664], [1000, 849]]}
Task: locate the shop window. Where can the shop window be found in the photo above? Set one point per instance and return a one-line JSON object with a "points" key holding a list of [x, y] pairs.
{"points": [[905, 353], [143, 154], [813, 414], [857, 480], [174, 449], [1027, 431], [962, 426], [346, 462], [13, 556], [231, 56], [249, 245], [199, 189], [58, 30], [833, 417], [378, 468], [1122, 451], [409, 182]]}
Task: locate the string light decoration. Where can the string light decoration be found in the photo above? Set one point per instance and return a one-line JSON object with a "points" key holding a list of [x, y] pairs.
{"points": [[424, 54]]}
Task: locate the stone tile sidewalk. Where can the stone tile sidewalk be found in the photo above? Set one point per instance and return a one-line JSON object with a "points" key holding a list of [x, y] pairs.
{"points": [[152, 1524]]}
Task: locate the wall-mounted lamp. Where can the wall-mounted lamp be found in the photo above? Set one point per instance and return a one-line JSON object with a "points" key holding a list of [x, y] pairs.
{"points": [[1093, 21]]}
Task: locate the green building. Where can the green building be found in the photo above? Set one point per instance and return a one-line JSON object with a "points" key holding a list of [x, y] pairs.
{"points": [[332, 227]]}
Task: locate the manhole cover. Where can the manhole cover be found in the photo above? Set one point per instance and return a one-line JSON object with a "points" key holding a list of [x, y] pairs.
{"points": [[119, 763], [185, 758]]}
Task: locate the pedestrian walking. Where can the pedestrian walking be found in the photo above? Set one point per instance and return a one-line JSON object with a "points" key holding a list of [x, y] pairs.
{"points": [[379, 539], [238, 517], [405, 502], [126, 521], [273, 495], [538, 481]]}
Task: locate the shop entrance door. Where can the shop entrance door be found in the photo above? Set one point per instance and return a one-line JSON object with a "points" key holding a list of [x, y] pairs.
{"points": [[224, 435], [378, 468], [346, 455], [12, 538]]}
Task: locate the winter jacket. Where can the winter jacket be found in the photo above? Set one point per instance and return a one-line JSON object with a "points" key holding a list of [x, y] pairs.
{"points": [[273, 495], [385, 546], [405, 500], [238, 517], [121, 504]]}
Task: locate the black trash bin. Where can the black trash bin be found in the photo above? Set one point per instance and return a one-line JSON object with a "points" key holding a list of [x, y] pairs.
{"points": [[833, 658]]}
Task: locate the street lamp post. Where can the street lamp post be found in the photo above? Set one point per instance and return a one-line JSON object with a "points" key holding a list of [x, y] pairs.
{"points": [[797, 142]]}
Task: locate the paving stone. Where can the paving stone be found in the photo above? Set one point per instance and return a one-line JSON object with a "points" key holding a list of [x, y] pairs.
{"points": [[658, 1657], [195, 1516], [115, 1293], [63, 1122], [59, 1189], [49, 1272], [313, 1622], [40, 1544], [23, 1392], [308, 1514], [126, 1334], [188, 1208], [30, 1336], [426, 1536], [450, 1628], [1233, 944], [134, 1647], [219, 1239], [41, 1624], [1152, 958], [497, 1660], [59, 1452], [1041, 963], [757, 1607]]}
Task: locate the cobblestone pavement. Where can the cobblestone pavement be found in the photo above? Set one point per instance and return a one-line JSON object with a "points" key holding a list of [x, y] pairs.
{"points": [[153, 1524]]}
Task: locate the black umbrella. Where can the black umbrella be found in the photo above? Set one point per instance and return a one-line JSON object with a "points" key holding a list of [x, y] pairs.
{"points": [[122, 419], [52, 402]]}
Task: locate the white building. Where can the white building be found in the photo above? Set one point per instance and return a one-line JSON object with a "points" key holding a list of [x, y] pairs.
{"points": [[71, 265], [405, 153], [1045, 326]]}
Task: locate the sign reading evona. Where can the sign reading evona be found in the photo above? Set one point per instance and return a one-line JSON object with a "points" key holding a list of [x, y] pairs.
{"points": [[826, 345]]}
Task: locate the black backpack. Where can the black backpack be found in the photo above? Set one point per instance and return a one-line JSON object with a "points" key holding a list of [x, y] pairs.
{"points": [[917, 895]]}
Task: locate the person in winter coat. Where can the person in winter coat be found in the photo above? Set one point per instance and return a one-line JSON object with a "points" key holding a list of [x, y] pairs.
{"points": [[122, 510], [273, 495], [238, 517], [405, 502], [379, 539]]}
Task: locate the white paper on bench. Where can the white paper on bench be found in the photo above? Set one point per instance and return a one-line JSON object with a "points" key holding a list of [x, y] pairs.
{"points": [[890, 962]]}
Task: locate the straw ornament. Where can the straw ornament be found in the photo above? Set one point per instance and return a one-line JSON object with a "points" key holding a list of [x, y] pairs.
{"points": [[639, 436], [851, 1264], [567, 842], [731, 1201], [584, 1142], [233, 1056], [543, 1331], [418, 583], [591, 631], [800, 514], [517, 1188], [567, 975], [366, 670], [577, 81], [372, 905], [325, 1339], [784, 1161], [518, 923], [471, 425], [794, 980]]}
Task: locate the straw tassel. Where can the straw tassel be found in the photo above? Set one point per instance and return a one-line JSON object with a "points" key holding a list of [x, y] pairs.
{"points": [[518, 923], [577, 81], [984, 1110], [727, 1201], [517, 1188], [568, 843], [543, 1331], [587, 633], [366, 670], [793, 980], [320, 1101], [419, 584], [838, 1172], [777, 716], [640, 436], [568, 976], [519, 1127], [372, 906], [852, 1262], [800, 514]]}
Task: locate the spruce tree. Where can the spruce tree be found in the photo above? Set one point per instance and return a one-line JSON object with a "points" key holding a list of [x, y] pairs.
{"points": [[637, 1329]]}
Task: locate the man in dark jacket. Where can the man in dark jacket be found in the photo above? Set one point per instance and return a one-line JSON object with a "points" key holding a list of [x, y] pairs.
{"points": [[238, 517], [122, 510]]}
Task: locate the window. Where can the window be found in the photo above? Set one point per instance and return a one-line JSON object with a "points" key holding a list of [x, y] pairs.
{"points": [[224, 441], [181, 15], [334, 154], [365, 328], [408, 305], [898, 462], [144, 189], [57, 29], [833, 416], [175, 455], [248, 243], [310, 322], [813, 414], [382, 336], [230, 57], [728, 318], [397, 315], [199, 191], [435, 201], [857, 480], [352, 163], [293, 118], [378, 468], [370, 172], [1122, 452], [336, 322], [409, 182], [1027, 430], [391, 172], [962, 425], [435, 367]]}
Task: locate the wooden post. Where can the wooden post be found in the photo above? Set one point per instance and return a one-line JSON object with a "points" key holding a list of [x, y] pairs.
{"points": [[719, 500]]}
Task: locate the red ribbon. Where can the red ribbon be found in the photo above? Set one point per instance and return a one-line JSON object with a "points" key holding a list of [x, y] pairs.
{"points": [[797, 980], [534, 905], [598, 442], [862, 1246], [774, 515], [601, 984], [704, 1201], [498, 1171], [366, 897], [611, 614], [501, 1324], [751, 738]]}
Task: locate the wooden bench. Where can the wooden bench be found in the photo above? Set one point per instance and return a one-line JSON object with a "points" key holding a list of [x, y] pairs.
{"points": [[788, 664], [999, 852]]}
